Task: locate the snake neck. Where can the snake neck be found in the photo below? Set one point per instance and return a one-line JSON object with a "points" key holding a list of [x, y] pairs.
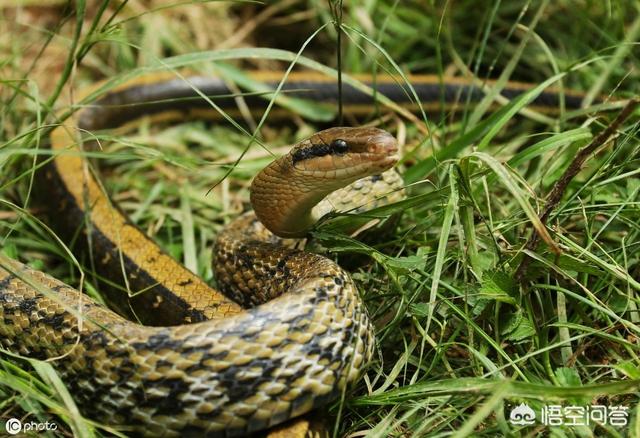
{"points": [[288, 204]]}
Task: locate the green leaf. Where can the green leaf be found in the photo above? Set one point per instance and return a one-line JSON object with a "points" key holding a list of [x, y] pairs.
{"points": [[629, 369], [550, 143], [521, 328], [570, 263], [481, 385], [420, 310], [568, 376], [405, 264], [498, 286]]}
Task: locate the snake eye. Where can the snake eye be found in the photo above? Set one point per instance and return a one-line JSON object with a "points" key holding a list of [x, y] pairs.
{"points": [[340, 146]]}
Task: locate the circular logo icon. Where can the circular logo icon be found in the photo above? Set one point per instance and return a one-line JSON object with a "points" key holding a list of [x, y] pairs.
{"points": [[13, 426]]}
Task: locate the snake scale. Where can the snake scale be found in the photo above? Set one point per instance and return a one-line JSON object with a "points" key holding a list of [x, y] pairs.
{"points": [[199, 362]]}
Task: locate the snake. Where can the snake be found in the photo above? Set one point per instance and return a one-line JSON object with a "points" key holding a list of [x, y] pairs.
{"points": [[287, 331]]}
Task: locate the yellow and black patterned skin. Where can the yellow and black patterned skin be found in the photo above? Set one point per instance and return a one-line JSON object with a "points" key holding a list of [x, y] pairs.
{"points": [[200, 363]]}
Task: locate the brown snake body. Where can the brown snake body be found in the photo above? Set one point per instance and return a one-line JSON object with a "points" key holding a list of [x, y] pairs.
{"points": [[208, 366]]}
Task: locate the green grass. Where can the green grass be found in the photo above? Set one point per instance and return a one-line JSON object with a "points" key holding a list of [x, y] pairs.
{"points": [[461, 340]]}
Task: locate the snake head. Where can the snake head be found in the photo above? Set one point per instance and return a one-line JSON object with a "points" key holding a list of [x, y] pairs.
{"points": [[286, 193], [345, 153]]}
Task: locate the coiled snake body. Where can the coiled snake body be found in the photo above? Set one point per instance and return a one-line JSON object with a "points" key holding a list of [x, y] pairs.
{"points": [[204, 365]]}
